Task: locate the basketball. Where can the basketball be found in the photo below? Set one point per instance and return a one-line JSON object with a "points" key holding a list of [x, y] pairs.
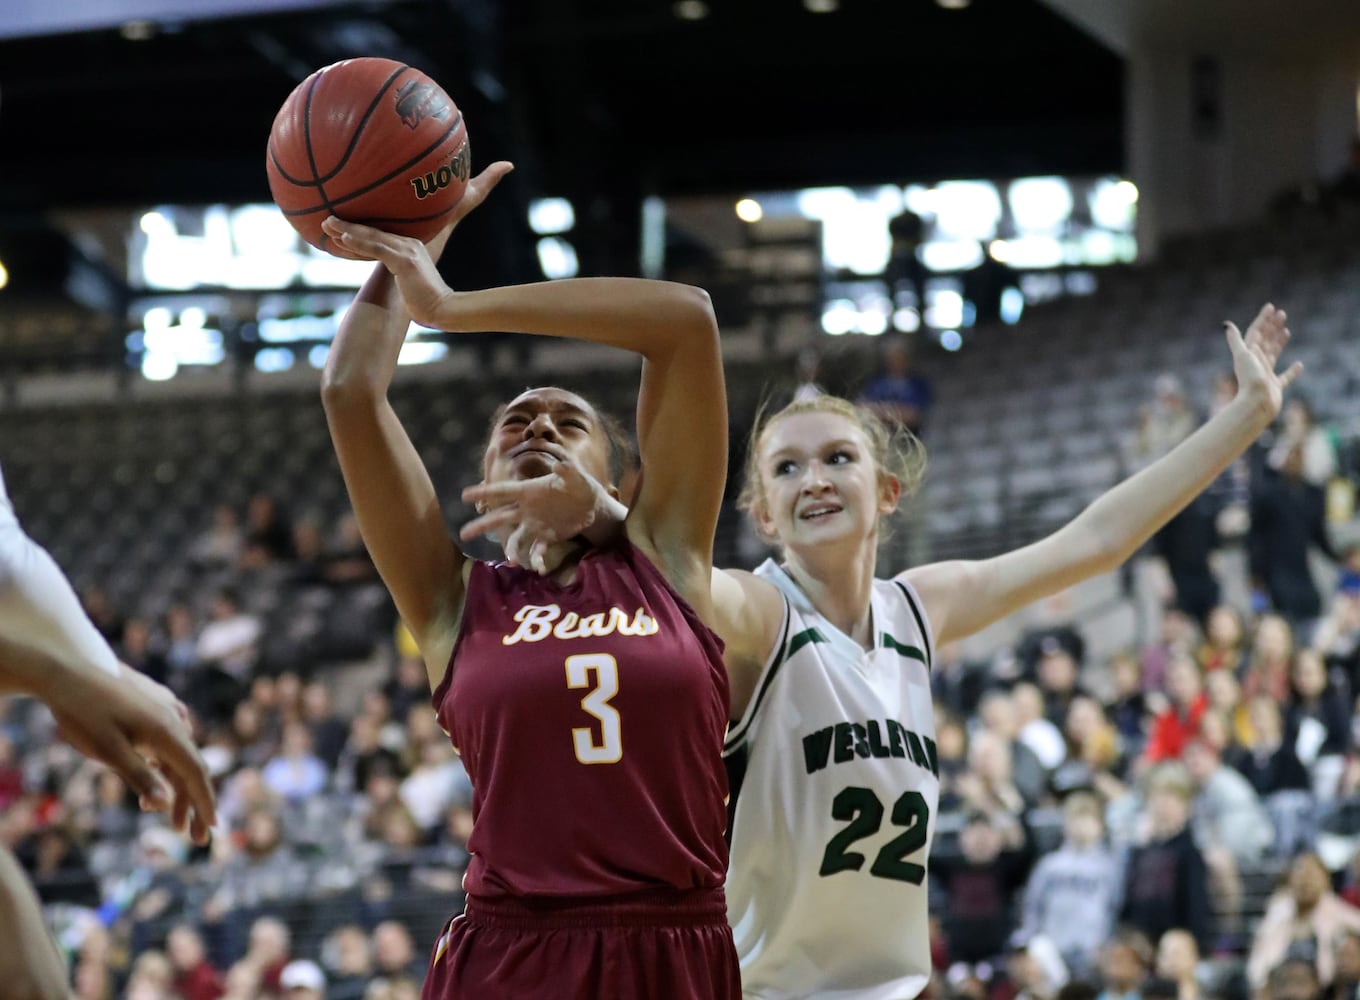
{"points": [[371, 141]]}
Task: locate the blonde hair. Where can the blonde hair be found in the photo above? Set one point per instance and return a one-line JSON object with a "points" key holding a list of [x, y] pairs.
{"points": [[897, 452]]}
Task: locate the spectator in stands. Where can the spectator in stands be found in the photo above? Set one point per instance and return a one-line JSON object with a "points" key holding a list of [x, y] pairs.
{"points": [[302, 979], [951, 746], [1271, 763], [139, 652], [1175, 726], [1127, 708], [1300, 430], [348, 961], [1224, 646], [264, 870], [1338, 634], [1346, 981], [1185, 545], [253, 745], [999, 718], [409, 686], [95, 600], [1272, 654], [329, 732], [1165, 423], [363, 752], [1305, 920], [1074, 893], [1178, 636], [1124, 963], [1095, 757], [983, 883], [220, 546], [1178, 961], [346, 561], [243, 981], [58, 867], [897, 394], [155, 894], [956, 682], [1293, 979], [435, 782], [152, 977], [1034, 968], [1288, 518], [296, 773], [271, 944], [1166, 880], [195, 978], [1035, 730], [1058, 671], [269, 536], [1318, 712], [394, 953], [227, 645], [1225, 701], [989, 783], [179, 645]]}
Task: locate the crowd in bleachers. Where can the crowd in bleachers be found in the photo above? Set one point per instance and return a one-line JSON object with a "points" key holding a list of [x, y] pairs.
{"points": [[1179, 818]]}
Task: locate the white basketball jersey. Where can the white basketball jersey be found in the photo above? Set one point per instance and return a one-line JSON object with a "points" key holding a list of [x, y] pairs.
{"points": [[835, 783]]}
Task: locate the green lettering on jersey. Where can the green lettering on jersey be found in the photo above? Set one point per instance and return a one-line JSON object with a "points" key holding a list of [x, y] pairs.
{"points": [[816, 749], [861, 739], [876, 746], [918, 753], [933, 755], [895, 738], [845, 748]]}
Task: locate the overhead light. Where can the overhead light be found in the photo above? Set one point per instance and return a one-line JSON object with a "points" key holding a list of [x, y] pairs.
{"points": [[953, 4], [4, 276], [138, 31], [821, 6], [690, 10], [548, 216], [749, 210]]}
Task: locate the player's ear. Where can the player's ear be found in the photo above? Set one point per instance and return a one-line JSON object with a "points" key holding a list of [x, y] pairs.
{"points": [[889, 492], [613, 492]]}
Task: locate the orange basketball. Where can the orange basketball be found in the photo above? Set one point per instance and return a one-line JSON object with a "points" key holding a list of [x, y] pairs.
{"points": [[371, 141]]}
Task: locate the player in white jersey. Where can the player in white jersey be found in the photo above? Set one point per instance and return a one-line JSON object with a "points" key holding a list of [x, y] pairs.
{"points": [[834, 773], [49, 649]]}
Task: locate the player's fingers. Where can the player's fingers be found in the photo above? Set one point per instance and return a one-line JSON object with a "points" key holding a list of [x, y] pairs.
{"points": [[188, 774], [136, 772], [517, 545], [1294, 371], [538, 556], [484, 183], [490, 522], [496, 494]]}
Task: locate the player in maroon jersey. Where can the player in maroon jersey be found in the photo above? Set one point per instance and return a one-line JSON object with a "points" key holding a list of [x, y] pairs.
{"points": [[589, 705]]}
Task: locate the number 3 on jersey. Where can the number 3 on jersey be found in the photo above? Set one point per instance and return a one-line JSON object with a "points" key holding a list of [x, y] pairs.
{"points": [[863, 810], [605, 685]]}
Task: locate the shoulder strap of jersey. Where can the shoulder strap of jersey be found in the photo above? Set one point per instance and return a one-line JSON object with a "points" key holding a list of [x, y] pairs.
{"points": [[918, 611], [736, 734]]}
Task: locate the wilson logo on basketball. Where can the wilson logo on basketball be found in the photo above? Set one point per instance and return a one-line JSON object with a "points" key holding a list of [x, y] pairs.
{"points": [[436, 180], [420, 100]]}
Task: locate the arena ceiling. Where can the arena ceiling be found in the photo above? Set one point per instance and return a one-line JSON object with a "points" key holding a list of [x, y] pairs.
{"points": [[603, 101]]}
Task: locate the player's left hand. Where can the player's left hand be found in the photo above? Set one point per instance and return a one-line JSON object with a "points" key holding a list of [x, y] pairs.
{"points": [[532, 515], [1256, 355], [407, 258]]}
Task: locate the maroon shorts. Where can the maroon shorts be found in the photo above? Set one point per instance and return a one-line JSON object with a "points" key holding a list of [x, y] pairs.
{"points": [[653, 946]]}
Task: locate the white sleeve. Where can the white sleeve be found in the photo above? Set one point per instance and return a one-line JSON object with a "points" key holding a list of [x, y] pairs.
{"points": [[39, 608]]}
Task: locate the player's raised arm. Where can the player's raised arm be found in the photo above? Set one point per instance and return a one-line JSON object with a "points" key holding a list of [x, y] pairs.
{"points": [[966, 596], [394, 500], [682, 408]]}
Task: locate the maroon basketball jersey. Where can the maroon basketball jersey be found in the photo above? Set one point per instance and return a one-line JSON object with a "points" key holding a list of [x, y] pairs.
{"points": [[590, 718]]}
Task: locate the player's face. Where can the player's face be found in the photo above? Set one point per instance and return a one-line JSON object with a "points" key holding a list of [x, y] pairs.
{"points": [[542, 427], [821, 481]]}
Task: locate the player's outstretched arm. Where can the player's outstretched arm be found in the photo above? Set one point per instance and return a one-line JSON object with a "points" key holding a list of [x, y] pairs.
{"points": [[966, 596], [394, 500], [31, 967], [49, 649]]}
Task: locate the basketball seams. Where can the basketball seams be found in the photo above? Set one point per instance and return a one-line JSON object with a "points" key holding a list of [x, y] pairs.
{"points": [[330, 205], [307, 144], [363, 121]]}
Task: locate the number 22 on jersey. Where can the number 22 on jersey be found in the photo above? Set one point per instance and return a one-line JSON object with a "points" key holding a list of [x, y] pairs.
{"points": [[604, 685]]}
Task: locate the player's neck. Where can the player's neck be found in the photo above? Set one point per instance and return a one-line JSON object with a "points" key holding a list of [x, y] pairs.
{"points": [[839, 586]]}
